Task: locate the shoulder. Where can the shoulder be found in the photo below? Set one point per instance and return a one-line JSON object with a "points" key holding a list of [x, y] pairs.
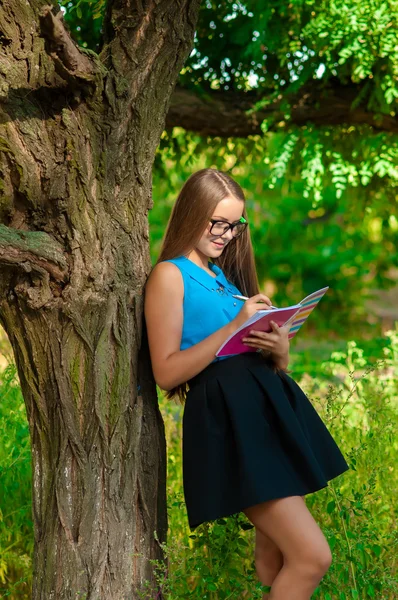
{"points": [[165, 276]]}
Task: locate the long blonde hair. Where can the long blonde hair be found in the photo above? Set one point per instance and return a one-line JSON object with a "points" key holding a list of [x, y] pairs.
{"points": [[190, 216]]}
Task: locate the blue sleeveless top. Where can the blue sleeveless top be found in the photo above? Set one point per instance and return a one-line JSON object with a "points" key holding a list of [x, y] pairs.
{"points": [[208, 303]]}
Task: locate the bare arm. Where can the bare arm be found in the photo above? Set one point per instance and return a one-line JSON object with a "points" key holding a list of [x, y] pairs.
{"points": [[164, 293]]}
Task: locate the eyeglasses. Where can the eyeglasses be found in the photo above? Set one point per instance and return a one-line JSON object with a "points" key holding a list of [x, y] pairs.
{"points": [[221, 227]]}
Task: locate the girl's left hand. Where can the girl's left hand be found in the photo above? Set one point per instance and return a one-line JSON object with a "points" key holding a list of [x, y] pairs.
{"points": [[276, 341]]}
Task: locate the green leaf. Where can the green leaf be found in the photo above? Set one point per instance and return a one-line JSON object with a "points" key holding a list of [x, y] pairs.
{"points": [[246, 526], [331, 506]]}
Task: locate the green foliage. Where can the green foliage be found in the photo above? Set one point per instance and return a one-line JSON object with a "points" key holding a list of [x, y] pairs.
{"points": [[336, 160], [282, 45], [277, 48], [84, 18], [16, 535], [362, 409], [358, 40]]}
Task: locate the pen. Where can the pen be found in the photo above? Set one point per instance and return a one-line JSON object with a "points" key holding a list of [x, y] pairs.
{"points": [[244, 298]]}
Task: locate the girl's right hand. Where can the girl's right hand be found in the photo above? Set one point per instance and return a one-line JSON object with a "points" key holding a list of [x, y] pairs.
{"points": [[250, 307]]}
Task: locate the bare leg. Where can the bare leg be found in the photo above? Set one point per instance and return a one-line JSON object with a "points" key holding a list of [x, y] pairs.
{"points": [[306, 553], [268, 559]]}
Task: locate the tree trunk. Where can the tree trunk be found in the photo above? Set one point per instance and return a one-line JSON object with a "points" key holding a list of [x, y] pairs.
{"points": [[98, 446], [77, 138]]}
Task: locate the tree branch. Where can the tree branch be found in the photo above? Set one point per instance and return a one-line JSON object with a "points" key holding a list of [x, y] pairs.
{"points": [[72, 64], [223, 114], [33, 251]]}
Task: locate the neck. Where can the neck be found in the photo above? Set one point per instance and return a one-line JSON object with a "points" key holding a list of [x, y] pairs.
{"points": [[199, 258]]}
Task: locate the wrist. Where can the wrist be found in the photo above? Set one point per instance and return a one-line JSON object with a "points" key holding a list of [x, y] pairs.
{"points": [[281, 360], [231, 327]]}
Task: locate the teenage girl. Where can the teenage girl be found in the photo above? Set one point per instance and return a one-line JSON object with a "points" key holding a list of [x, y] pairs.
{"points": [[252, 440]]}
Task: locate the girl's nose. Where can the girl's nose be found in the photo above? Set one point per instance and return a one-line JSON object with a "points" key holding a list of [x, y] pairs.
{"points": [[227, 236]]}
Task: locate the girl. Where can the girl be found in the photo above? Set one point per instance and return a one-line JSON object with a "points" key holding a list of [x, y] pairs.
{"points": [[252, 441]]}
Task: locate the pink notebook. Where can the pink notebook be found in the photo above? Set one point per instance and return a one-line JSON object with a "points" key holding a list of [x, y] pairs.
{"points": [[292, 316]]}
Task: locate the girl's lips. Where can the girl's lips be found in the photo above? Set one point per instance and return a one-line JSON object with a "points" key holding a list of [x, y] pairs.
{"points": [[219, 245]]}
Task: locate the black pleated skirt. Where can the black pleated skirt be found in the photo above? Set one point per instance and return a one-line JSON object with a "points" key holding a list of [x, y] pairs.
{"points": [[251, 435]]}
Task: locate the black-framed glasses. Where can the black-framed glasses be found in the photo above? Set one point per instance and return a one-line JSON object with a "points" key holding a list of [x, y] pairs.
{"points": [[221, 227]]}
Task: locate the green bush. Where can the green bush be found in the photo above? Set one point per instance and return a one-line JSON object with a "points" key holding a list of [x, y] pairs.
{"points": [[16, 535]]}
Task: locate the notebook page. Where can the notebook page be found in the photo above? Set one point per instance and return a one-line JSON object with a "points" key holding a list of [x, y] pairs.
{"points": [[260, 313], [307, 305]]}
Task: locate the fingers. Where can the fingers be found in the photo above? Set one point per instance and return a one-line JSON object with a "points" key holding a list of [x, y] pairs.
{"points": [[261, 298], [268, 334], [266, 340]]}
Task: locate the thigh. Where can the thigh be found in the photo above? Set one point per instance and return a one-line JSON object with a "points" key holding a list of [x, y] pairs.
{"points": [[289, 526], [264, 542]]}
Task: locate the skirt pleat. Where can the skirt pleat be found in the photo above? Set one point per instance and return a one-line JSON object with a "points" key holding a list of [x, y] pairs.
{"points": [[251, 435]]}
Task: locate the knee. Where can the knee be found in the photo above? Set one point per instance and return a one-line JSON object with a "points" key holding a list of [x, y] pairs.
{"points": [[325, 559], [316, 564]]}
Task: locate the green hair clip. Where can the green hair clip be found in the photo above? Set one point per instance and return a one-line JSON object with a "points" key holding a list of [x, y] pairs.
{"points": [[242, 220]]}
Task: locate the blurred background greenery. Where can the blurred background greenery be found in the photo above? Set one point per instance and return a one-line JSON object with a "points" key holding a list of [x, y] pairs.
{"points": [[322, 203]]}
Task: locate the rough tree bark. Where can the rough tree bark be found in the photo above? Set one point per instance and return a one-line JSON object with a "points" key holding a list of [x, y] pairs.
{"points": [[78, 136]]}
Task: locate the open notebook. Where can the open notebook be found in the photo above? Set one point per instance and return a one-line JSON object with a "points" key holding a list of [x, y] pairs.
{"points": [[292, 316]]}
